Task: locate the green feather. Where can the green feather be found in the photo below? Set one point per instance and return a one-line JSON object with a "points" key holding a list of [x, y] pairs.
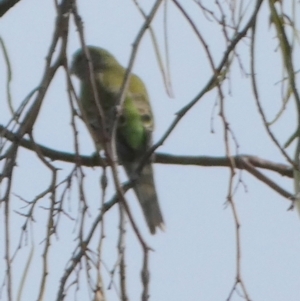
{"points": [[132, 128]]}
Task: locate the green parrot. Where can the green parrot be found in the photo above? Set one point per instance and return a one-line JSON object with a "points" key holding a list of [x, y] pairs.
{"points": [[135, 124]]}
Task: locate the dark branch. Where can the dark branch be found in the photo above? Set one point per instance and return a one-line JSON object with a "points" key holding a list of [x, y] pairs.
{"points": [[282, 169], [6, 5]]}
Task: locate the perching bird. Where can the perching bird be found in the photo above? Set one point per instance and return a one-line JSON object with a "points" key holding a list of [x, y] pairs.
{"points": [[135, 124]]}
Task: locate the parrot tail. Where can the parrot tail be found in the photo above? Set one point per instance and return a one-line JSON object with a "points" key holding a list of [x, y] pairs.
{"points": [[145, 191]]}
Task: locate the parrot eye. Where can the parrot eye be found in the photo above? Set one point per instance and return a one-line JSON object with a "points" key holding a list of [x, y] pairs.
{"points": [[146, 118]]}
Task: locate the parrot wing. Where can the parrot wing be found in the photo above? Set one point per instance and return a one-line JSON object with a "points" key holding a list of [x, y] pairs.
{"points": [[134, 138]]}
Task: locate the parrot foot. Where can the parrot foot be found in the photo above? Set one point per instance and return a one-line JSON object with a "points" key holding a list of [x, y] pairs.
{"points": [[133, 177]]}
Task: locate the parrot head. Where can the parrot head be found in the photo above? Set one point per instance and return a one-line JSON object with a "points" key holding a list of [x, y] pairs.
{"points": [[101, 60]]}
